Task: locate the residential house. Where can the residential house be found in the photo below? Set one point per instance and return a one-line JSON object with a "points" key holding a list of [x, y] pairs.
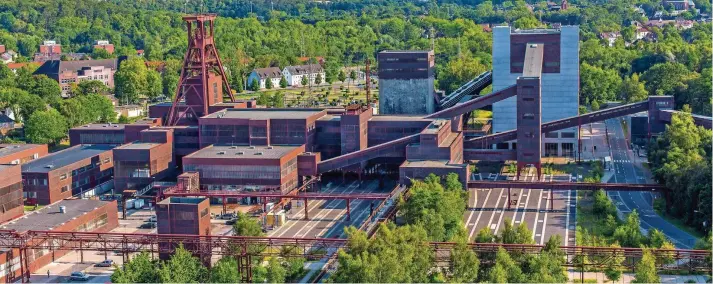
{"points": [[2, 48], [129, 111], [263, 74], [360, 74], [294, 74], [105, 45], [6, 124], [8, 57], [679, 5], [552, 6], [680, 24], [68, 72], [610, 37]]}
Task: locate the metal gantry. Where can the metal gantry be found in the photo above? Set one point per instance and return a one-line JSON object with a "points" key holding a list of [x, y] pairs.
{"points": [[244, 248]]}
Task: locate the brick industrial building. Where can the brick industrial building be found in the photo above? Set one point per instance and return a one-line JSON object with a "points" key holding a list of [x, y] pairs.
{"points": [[21, 153], [65, 173], [250, 168], [560, 82], [139, 163], [78, 215], [10, 192], [183, 215], [406, 82]]}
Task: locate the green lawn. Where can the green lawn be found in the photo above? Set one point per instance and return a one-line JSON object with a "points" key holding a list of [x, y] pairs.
{"points": [[29, 208]]}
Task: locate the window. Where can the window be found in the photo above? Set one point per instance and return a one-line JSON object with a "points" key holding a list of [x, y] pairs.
{"points": [[528, 99], [63, 176], [528, 116], [65, 188], [551, 135], [568, 134], [106, 160]]}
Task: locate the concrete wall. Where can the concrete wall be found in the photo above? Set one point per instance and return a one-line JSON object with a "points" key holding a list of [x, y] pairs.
{"points": [[560, 91], [414, 96]]}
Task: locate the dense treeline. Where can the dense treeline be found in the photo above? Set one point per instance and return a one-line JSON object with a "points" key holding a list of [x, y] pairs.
{"points": [[681, 159]]}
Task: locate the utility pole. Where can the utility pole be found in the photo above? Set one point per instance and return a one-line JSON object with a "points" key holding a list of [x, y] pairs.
{"points": [[368, 84], [433, 39]]}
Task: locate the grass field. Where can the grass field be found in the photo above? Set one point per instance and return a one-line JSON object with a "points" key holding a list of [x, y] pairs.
{"points": [[334, 94]]}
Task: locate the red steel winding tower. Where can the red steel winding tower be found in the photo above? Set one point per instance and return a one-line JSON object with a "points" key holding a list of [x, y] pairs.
{"points": [[203, 82]]}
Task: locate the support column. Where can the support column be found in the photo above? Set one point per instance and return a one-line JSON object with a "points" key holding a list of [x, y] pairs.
{"points": [[306, 210], [224, 207], [552, 202], [349, 211], [509, 197], [81, 251]]}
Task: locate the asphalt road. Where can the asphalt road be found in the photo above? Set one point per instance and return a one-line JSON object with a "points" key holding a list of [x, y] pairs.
{"points": [[488, 208], [328, 217], [628, 170]]}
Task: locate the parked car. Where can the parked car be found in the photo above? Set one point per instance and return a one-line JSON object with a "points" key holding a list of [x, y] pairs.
{"points": [[152, 218], [231, 221], [78, 276], [105, 263], [148, 225], [227, 216]]}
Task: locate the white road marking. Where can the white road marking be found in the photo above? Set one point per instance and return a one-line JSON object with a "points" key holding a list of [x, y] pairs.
{"points": [[324, 212]]}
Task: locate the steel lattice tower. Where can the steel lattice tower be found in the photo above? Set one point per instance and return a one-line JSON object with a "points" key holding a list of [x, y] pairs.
{"points": [[203, 82]]}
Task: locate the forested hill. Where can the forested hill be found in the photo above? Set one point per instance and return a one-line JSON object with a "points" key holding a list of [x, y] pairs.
{"points": [[346, 32]]}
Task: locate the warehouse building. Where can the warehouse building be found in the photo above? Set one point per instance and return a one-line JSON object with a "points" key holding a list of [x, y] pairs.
{"points": [[18, 154], [68, 172], [10, 192]]}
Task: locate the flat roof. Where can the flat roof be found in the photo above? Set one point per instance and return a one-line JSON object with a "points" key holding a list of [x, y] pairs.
{"points": [[265, 113], [243, 152], [182, 200], [532, 66], [65, 157], [48, 217], [9, 149], [430, 164], [101, 126], [139, 146], [399, 118], [5, 167]]}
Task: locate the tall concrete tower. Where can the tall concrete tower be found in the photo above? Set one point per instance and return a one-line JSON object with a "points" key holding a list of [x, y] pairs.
{"points": [[559, 82], [406, 82]]}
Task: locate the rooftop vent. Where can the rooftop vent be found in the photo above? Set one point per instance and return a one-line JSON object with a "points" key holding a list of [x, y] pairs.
{"points": [[116, 126], [258, 154], [240, 153], [49, 166], [85, 125], [233, 147], [104, 126], [221, 153], [269, 147], [251, 147], [533, 45]]}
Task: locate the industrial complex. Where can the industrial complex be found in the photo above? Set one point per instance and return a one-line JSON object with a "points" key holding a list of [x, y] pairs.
{"points": [[338, 164]]}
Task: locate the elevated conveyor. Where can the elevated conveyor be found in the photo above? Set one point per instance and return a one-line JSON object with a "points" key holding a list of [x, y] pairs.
{"points": [[396, 148], [470, 88], [476, 103], [699, 120], [485, 141]]}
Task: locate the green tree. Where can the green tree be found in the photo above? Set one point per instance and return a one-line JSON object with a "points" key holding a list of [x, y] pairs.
{"points": [[485, 235], [341, 76], [304, 81], [632, 90], [459, 71], [664, 78], [505, 270], [268, 83], [140, 269], [629, 233], [464, 263], [90, 87], [255, 85], [318, 79], [246, 226], [46, 127], [598, 84], [225, 271], [183, 267], [519, 234], [646, 269], [46, 88], [100, 53], [7, 78], [154, 84], [278, 100], [131, 80], [283, 82]]}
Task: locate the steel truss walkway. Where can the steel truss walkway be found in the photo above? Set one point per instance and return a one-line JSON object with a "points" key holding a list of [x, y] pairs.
{"points": [[470, 88]]}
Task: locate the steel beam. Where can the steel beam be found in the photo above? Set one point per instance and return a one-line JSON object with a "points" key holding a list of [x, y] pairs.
{"points": [[312, 196], [389, 149], [556, 185], [700, 120], [476, 103]]}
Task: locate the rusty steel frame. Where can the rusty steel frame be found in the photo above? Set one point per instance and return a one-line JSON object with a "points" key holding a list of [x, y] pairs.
{"points": [[388, 149], [556, 185], [310, 248]]}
